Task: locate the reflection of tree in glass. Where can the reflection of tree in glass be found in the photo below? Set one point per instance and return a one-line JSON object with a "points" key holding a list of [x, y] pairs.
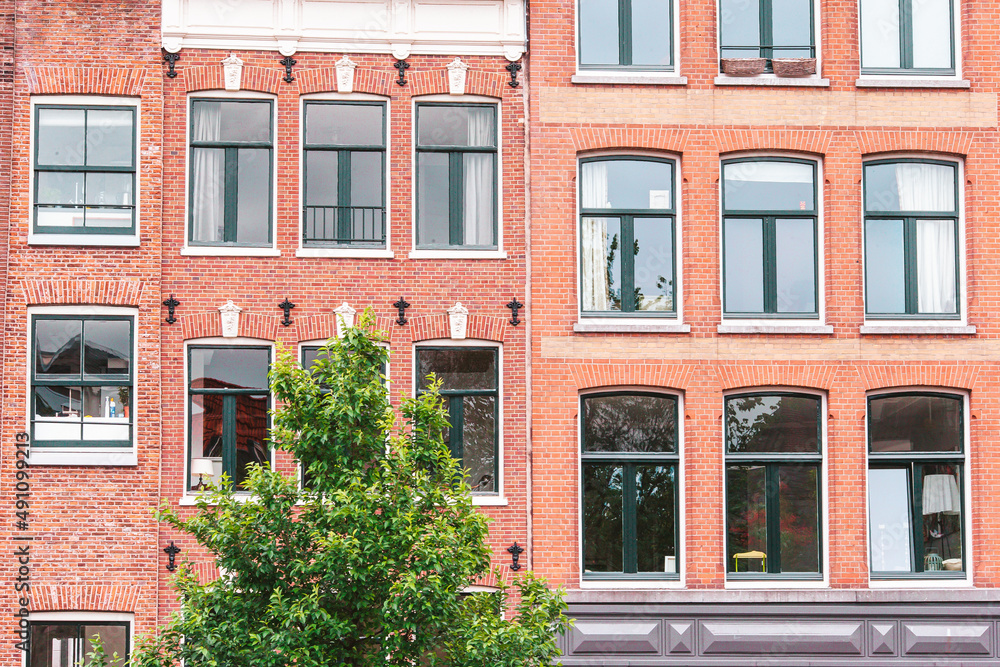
{"points": [[747, 520], [654, 516], [602, 516], [478, 441], [772, 424], [614, 295], [797, 489], [635, 423]]}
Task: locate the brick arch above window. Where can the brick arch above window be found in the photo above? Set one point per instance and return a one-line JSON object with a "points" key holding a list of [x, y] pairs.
{"points": [[479, 327], [324, 80], [324, 327], [924, 374], [953, 144], [625, 139], [775, 374], [797, 141], [477, 82], [212, 77], [82, 292], [208, 325], [86, 598], [122, 81], [651, 375]]}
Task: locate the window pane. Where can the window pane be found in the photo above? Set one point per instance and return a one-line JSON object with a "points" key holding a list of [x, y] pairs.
{"points": [[479, 433], [791, 22], [932, 34], [602, 518], [321, 178], [798, 502], [55, 187], [889, 519], [599, 32], [459, 368], [768, 186], [245, 121], [236, 368], [915, 424], [251, 435], [654, 264], [739, 26], [254, 196], [936, 271], [344, 124], [113, 189], [654, 519], [746, 518], [114, 638], [107, 347], [885, 286], [909, 186], [630, 423], [447, 125], [479, 201], [109, 138], [941, 502], [54, 645], [433, 199], [208, 193], [367, 182], [651, 32], [880, 34], [601, 259], [744, 265], [206, 431], [60, 136], [776, 424], [57, 347], [795, 249], [310, 354], [61, 402], [106, 413], [627, 184]]}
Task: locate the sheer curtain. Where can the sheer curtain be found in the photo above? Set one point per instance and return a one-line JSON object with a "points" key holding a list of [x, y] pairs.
{"points": [[207, 174], [594, 238], [931, 187], [479, 181]]}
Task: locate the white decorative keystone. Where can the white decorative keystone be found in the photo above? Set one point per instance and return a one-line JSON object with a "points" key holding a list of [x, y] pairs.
{"points": [[345, 318], [233, 69], [458, 319], [456, 76], [345, 75], [230, 314]]}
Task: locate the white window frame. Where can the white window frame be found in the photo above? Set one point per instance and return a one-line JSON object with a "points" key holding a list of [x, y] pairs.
{"points": [[96, 617], [86, 456], [117, 240]]}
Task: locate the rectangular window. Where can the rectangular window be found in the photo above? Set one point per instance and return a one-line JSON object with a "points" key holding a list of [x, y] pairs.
{"points": [[916, 455], [231, 172], [85, 166], [470, 386], [907, 37], [767, 29], [770, 253], [627, 203], [66, 644], [344, 179], [626, 34], [773, 472], [457, 176], [82, 381], [228, 400], [630, 486], [911, 240]]}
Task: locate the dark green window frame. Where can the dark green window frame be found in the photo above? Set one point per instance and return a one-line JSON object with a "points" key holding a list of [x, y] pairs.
{"points": [[906, 46], [627, 218], [84, 169], [913, 463], [228, 410], [456, 173], [766, 49], [453, 398], [629, 461], [83, 647], [230, 216], [771, 463], [909, 219], [344, 213], [123, 379], [625, 42], [770, 250]]}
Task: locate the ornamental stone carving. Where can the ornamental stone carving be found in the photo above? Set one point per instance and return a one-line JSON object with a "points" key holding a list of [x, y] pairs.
{"points": [[230, 315], [458, 320], [456, 76], [345, 318], [345, 75], [233, 70]]}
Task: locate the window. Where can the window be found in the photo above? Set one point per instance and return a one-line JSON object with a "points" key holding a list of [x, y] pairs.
{"points": [[911, 239], [229, 399], [630, 496], [65, 644], [907, 37], [773, 459], [627, 203], [769, 238], [456, 176], [626, 34], [916, 454], [344, 162], [767, 29], [82, 380], [231, 166], [469, 384], [84, 169]]}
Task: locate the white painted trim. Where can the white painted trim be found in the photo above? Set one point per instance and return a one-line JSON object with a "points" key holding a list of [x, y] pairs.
{"points": [[635, 79], [923, 328], [775, 327], [645, 325], [910, 82], [227, 251], [956, 38], [670, 73], [359, 253], [817, 11], [770, 80], [108, 240], [457, 254]]}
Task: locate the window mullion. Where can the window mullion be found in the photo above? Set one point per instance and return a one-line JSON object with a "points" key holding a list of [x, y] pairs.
{"points": [[625, 31], [229, 436], [917, 514], [456, 173], [230, 195], [770, 260], [628, 263], [766, 31], [457, 420], [630, 563], [343, 195], [906, 34], [911, 298]]}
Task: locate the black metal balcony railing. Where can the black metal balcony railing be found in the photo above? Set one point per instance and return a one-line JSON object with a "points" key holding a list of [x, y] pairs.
{"points": [[343, 225]]}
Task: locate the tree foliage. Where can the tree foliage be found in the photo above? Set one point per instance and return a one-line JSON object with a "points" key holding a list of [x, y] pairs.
{"points": [[367, 565]]}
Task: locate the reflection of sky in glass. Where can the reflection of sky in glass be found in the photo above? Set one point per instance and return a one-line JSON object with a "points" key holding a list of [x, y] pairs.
{"points": [[889, 521]]}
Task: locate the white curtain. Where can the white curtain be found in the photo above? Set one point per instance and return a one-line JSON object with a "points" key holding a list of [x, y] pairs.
{"points": [[594, 238], [931, 187], [479, 181], [207, 175]]}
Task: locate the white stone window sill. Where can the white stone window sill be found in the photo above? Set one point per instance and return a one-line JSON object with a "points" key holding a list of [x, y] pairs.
{"points": [[815, 329], [630, 326], [75, 457], [210, 251], [458, 254], [919, 583], [918, 329], [191, 500], [776, 584], [489, 501], [626, 584], [771, 80], [911, 82], [630, 78], [84, 240], [372, 253]]}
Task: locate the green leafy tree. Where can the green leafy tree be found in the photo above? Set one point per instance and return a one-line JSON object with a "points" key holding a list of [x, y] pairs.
{"points": [[365, 566]]}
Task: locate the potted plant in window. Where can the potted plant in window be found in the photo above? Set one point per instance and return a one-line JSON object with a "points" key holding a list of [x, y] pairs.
{"points": [[743, 66], [792, 67]]}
